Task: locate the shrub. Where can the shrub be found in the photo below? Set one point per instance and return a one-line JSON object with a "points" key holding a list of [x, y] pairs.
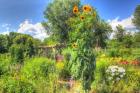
{"points": [[113, 53], [4, 64], [115, 73], [133, 78], [17, 53], [36, 68], [17, 86], [65, 73], [42, 72]]}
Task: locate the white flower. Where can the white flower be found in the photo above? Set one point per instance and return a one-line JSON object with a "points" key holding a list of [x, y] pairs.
{"points": [[115, 73], [124, 73], [117, 79], [112, 74], [110, 78], [113, 70], [120, 69], [121, 75], [107, 71]]}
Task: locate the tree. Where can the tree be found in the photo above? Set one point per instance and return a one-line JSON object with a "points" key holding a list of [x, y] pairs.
{"points": [[3, 44], [57, 13], [120, 33], [102, 33], [31, 49], [28, 44], [11, 37], [17, 53], [128, 40], [23, 46], [21, 39], [136, 19], [137, 39]]}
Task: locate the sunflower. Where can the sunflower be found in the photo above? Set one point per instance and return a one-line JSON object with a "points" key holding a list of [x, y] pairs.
{"points": [[74, 45], [75, 9], [87, 8], [82, 17]]}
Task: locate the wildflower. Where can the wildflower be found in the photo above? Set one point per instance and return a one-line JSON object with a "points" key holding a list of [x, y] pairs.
{"points": [[115, 72], [117, 79], [103, 55], [124, 62], [135, 62], [87, 8], [82, 17], [53, 49], [110, 78], [121, 75], [74, 45], [75, 9], [120, 69], [113, 69], [60, 65]]}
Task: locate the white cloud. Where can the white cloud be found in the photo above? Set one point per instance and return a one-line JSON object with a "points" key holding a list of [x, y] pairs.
{"points": [[5, 25], [35, 30], [6, 28], [126, 23], [5, 33]]}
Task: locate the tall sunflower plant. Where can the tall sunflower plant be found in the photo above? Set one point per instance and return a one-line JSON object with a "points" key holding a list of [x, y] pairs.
{"points": [[81, 39]]}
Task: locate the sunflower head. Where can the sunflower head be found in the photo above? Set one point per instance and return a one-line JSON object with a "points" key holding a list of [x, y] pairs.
{"points": [[87, 8], [74, 45], [75, 9], [82, 17]]}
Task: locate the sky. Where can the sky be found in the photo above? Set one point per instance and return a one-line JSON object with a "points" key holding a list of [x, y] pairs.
{"points": [[25, 16]]}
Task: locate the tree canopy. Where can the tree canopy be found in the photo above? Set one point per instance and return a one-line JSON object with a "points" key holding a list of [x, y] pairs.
{"points": [[57, 13], [136, 19]]}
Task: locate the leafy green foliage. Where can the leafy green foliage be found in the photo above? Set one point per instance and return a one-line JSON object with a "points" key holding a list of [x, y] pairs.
{"points": [[17, 86], [57, 13], [4, 64], [136, 39], [82, 26], [120, 33], [101, 34], [136, 19], [38, 67], [3, 44], [17, 53]]}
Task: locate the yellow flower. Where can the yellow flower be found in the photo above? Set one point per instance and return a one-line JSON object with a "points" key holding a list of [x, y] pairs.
{"points": [[60, 65], [75, 9], [53, 49], [82, 17], [87, 8], [103, 55], [74, 45]]}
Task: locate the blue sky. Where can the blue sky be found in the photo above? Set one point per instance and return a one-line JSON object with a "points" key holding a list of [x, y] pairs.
{"points": [[15, 12], [109, 9]]}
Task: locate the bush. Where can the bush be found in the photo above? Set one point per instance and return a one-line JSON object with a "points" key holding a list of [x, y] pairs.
{"points": [[17, 53], [3, 68], [4, 64], [65, 73], [17, 86], [113, 53], [42, 72], [133, 79], [36, 68]]}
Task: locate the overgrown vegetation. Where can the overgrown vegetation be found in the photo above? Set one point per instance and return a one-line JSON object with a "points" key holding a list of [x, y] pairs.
{"points": [[89, 61]]}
